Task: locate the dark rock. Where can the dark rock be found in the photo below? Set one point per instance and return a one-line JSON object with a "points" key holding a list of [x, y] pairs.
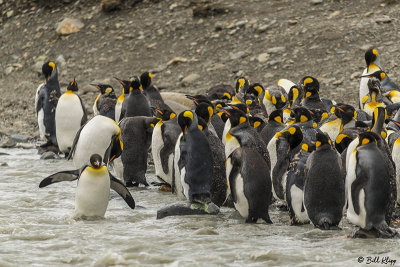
{"points": [[187, 208], [208, 10], [110, 5], [49, 155], [7, 142]]}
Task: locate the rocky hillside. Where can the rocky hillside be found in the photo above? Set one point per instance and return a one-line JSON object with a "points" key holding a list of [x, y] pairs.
{"points": [[190, 45]]}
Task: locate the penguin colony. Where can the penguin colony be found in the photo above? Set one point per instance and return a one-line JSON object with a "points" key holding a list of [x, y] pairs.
{"points": [[244, 147]]}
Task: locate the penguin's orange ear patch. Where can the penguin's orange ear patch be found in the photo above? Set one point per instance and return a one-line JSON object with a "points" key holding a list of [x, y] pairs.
{"points": [[307, 81], [365, 141], [242, 120]]}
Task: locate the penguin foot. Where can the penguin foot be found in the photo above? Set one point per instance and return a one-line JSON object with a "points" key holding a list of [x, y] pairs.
{"points": [[375, 233], [165, 188], [160, 184]]}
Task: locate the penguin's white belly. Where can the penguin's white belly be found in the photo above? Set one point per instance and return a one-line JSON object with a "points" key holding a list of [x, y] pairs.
{"points": [[94, 138], [241, 204], [231, 145], [177, 174], [118, 108], [274, 158], [226, 129], [156, 146], [332, 128], [396, 159], [269, 106], [352, 216], [363, 86], [118, 168], [297, 204], [42, 128], [185, 186], [92, 193], [68, 116]]}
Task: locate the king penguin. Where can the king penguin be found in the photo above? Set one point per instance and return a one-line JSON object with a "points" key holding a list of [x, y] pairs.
{"points": [[93, 190], [46, 99], [105, 102], [136, 104], [368, 187], [311, 100], [324, 189], [195, 163], [125, 92], [247, 172], [100, 135], [70, 117]]}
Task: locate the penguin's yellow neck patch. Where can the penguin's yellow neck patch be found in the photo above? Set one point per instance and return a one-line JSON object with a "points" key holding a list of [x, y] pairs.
{"points": [[397, 142], [121, 98], [97, 170], [340, 138], [69, 92]]}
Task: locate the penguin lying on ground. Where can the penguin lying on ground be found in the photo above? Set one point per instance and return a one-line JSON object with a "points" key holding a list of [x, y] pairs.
{"points": [[46, 100], [100, 135], [136, 133], [324, 189], [93, 190], [70, 117]]}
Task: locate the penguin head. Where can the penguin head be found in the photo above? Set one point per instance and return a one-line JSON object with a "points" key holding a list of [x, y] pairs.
{"points": [[257, 123], [342, 141], [125, 84], [105, 89], [73, 86], [251, 100], [367, 138], [186, 119], [277, 96], [293, 135], [236, 117], [301, 114], [219, 105], [256, 89], [344, 111], [115, 148], [242, 84], [308, 147], [96, 161], [311, 86], [226, 96], [276, 115], [379, 74], [371, 56], [135, 85], [146, 78], [374, 86], [164, 115], [295, 95], [197, 99], [48, 68], [205, 111], [322, 139]]}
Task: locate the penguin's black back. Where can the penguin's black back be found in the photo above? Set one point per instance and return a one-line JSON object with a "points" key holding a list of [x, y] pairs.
{"points": [[324, 189], [270, 130], [136, 104], [218, 125]]}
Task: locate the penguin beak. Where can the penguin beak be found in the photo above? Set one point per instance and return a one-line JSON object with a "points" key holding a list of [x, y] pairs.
{"points": [[95, 85], [185, 130], [97, 163], [121, 82]]}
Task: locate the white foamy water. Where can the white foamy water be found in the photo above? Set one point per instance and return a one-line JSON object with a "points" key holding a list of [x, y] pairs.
{"points": [[37, 229]]}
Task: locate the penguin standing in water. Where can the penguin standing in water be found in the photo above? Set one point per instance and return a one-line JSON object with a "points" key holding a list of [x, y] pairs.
{"points": [[136, 134], [70, 117], [247, 173], [105, 103], [125, 92], [295, 186], [100, 135], [368, 186], [195, 163], [46, 102], [136, 104], [93, 190], [324, 189]]}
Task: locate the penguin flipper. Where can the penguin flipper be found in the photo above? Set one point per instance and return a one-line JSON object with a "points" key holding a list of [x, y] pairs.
{"points": [[361, 181], [60, 177], [84, 116], [78, 133], [120, 188]]}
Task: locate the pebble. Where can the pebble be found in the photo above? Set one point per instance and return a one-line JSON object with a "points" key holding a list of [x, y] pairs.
{"points": [[3, 164], [190, 79], [237, 55], [60, 60], [316, 2], [7, 142], [19, 138], [49, 155], [68, 26], [110, 5], [383, 19], [219, 25], [355, 75], [263, 57], [205, 231], [10, 14], [275, 50], [241, 23], [176, 60], [292, 22], [8, 70], [25, 145], [217, 66]]}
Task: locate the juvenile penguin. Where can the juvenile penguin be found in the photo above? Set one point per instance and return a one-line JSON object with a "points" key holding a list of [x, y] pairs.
{"points": [[248, 177], [295, 186], [368, 186], [105, 103], [46, 99], [125, 92], [93, 190], [70, 117], [324, 189], [100, 135], [136, 104], [136, 133], [195, 163]]}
